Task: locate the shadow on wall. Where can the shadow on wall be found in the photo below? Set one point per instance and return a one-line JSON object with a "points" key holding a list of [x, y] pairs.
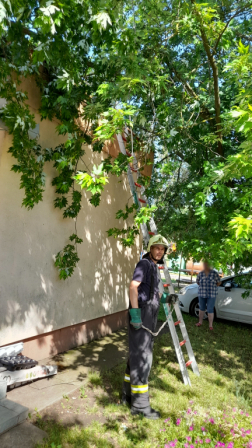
{"points": [[78, 335], [33, 299]]}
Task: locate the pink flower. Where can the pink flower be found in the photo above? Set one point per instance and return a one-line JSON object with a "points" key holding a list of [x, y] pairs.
{"points": [[195, 412], [203, 428], [208, 440], [167, 419], [241, 412], [211, 420], [188, 438], [178, 421], [201, 441], [248, 431], [191, 428], [189, 411], [247, 415], [230, 445], [186, 445]]}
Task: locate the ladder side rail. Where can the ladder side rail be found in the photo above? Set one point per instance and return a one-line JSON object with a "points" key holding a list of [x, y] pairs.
{"points": [[152, 223], [182, 324], [153, 226], [170, 321], [173, 331], [129, 173], [186, 338], [143, 227], [160, 284], [177, 347], [168, 278], [145, 233]]}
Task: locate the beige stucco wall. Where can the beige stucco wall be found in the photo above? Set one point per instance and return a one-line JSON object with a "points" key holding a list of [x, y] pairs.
{"points": [[32, 298]]}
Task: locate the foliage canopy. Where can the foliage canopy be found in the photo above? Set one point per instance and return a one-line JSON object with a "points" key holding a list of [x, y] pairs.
{"points": [[178, 72]]}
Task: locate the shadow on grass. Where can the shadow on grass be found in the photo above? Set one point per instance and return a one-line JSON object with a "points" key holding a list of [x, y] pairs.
{"points": [[226, 351], [100, 354], [224, 359], [60, 436]]}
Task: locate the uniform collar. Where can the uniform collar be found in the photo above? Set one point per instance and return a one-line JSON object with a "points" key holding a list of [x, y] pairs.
{"points": [[149, 258]]}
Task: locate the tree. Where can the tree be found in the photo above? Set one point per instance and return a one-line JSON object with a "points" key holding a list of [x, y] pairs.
{"points": [[166, 68], [60, 44], [205, 204]]}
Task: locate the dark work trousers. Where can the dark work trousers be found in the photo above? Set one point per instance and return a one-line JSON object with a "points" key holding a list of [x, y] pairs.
{"points": [[140, 356]]}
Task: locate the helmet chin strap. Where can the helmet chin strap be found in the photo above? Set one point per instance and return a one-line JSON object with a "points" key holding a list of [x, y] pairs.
{"points": [[155, 259]]}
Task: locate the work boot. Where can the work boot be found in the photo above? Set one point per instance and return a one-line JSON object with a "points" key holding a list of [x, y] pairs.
{"points": [[145, 412], [126, 399]]}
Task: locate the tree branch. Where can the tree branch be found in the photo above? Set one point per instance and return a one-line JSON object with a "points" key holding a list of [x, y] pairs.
{"points": [[227, 24], [244, 36], [205, 112], [214, 67]]}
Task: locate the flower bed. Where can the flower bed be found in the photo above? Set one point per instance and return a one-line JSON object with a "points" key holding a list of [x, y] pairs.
{"points": [[195, 427]]}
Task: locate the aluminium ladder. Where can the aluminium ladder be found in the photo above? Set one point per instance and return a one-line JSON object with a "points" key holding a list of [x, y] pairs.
{"points": [[146, 236]]}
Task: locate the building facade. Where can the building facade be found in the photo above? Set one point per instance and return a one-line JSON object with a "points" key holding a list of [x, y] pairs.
{"points": [[52, 315]]}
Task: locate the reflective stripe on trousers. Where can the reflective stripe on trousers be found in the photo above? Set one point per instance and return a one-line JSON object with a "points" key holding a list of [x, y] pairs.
{"points": [[137, 372]]}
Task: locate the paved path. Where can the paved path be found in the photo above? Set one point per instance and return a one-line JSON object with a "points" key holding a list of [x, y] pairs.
{"points": [[25, 435], [73, 366]]}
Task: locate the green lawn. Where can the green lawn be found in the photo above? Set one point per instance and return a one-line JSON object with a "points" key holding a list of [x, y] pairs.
{"points": [[216, 410]]}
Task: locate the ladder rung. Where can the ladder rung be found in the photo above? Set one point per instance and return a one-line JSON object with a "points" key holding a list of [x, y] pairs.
{"points": [[142, 200], [166, 285], [128, 153], [138, 185], [182, 343], [124, 139], [151, 233], [160, 267], [177, 323], [188, 363], [133, 169]]}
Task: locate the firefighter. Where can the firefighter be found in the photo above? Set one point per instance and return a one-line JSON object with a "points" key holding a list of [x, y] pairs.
{"points": [[144, 306]]}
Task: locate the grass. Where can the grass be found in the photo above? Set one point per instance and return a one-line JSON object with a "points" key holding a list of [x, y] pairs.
{"points": [[95, 379], [216, 410]]}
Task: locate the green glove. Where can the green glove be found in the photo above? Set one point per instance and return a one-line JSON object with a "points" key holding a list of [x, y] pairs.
{"points": [[169, 298], [164, 297], [136, 321]]}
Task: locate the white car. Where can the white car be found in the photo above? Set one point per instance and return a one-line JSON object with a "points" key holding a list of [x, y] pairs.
{"points": [[229, 302]]}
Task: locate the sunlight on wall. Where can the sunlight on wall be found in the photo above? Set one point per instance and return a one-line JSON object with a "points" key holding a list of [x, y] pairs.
{"points": [[32, 298]]}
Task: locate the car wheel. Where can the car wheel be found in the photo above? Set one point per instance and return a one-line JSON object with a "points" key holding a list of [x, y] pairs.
{"points": [[194, 308]]}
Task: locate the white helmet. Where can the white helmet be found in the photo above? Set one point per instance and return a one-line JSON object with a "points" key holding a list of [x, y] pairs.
{"points": [[157, 239]]}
